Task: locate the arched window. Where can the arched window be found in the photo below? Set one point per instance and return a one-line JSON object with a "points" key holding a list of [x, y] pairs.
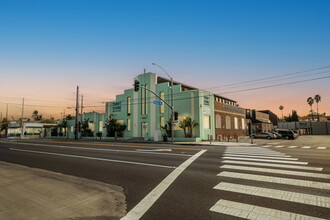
{"points": [[217, 121], [228, 122]]}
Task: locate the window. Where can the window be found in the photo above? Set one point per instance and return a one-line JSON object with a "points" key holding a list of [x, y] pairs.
{"points": [[144, 109], [128, 124], [243, 123], [72, 128], [162, 107], [217, 121], [100, 126], [162, 121], [206, 121], [228, 125], [236, 123], [128, 105]]}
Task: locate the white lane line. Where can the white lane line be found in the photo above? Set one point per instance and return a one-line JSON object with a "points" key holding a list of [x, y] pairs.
{"points": [[142, 207], [306, 147], [286, 172], [280, 146], [273, 165], [265, 160], [302, 198], [293, 147], [94, 158], [251, 212], [103, 149], [261, 157], [154, 150], [267, 146], [260, 154], [321, 148], [278, 180]]}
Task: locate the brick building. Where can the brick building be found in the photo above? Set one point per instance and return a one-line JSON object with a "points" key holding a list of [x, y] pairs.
{"points": [[229, 119]]}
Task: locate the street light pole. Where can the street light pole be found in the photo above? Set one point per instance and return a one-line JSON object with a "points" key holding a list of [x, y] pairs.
{"points": [[172, 101]]}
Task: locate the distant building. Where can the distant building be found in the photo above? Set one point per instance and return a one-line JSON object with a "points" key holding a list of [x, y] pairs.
{"points": [[272, 116]]}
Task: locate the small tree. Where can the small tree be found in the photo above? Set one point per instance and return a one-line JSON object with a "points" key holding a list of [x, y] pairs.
{"points": [[167, 128], [4, 126], [85, 130], [113, 127], [190, 126], [294, 116], [36, 116]]}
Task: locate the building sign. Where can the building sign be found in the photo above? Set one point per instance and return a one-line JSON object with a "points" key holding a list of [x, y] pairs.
{"points": [[116, 106], [233, 109], [207, 100]]}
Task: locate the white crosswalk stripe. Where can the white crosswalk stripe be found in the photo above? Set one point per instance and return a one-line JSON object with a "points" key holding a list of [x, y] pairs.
{"points": [[306, 147], [278, 180], [273, 165], [303, 198], [277, 171], [242, 210], [321, 148], [261, 157], [265, 160], [244, 163]]}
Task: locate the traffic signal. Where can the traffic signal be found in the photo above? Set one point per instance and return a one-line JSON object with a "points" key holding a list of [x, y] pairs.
{"points": [[248, 113], [176, 116], [136, 85]]}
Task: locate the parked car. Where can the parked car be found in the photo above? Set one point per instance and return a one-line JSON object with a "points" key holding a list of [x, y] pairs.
{"points": [[267, 135], [286, 133], [278, 135]]}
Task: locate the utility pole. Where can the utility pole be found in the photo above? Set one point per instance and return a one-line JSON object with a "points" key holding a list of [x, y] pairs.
{"points": [[22, 117], [81, 112], [77, 114], [7, 112]]}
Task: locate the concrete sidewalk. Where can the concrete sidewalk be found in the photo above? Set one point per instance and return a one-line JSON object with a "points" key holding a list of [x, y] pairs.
{"points": [[29, 193]]}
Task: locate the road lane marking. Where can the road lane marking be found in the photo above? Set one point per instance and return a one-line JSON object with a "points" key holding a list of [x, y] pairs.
{"points": [[321, 148], [94, 158], [113, 145], [265, 160], [267, 146], [102, 149], [273, 165], [280, 146], [302, 198], [246, 211], [154, 150], [257, 153], [261, 157], [142, 207], [293, 147], [286, 172], [278, 180], [306, 147]]}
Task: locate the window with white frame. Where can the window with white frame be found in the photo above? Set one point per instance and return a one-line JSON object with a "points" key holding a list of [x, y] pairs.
{"points": [[243, 123], [128, 124], [228, 122], [217, 121], [236, 122], [100, 126]]}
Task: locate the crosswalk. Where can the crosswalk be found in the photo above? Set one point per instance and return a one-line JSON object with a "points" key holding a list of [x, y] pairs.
{"points": [[293, 147], [275, 178]]}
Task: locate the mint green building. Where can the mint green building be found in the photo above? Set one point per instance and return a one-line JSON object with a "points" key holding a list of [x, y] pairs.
{"points": [[143, 118]]}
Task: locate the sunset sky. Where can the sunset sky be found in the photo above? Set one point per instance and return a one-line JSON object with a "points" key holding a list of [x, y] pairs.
{"points": [[47, 48]]}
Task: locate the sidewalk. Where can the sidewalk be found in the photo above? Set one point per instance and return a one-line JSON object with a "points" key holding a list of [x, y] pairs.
{"points": [[30, 193]]}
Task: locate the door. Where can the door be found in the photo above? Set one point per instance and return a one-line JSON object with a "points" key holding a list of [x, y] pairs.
{"points": [[144, 129]]}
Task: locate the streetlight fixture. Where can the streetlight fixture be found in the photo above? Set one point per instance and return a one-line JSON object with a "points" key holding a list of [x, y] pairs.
{"points": [[172, 101]]}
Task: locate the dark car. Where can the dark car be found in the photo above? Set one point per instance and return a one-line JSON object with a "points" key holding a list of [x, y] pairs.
{"points": [[287, 134]]}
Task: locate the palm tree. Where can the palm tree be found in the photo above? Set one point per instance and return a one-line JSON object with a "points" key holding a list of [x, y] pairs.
{"points": [[310, 102], [281, 108], [317, 100]]}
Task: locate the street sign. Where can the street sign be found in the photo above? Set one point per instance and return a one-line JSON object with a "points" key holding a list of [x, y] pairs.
{"points": [[157, 102]]}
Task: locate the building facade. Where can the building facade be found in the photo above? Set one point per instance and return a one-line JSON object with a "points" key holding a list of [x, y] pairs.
{"points": [[144, 118]]}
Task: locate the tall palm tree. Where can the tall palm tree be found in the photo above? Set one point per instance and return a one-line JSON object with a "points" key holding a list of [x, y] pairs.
{"points": [[317, 100], [310, 102], [281, 108]]}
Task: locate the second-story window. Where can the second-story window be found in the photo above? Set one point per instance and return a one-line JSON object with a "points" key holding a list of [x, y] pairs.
{"points": [[162, 107], [128, 105]]}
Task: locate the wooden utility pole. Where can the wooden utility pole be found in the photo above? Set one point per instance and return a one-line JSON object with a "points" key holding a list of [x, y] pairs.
{"points": [[22, 117], [81, 112], [77, 114]]}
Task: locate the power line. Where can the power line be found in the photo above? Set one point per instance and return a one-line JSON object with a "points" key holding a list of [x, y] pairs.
{"points": [[271, 77]]}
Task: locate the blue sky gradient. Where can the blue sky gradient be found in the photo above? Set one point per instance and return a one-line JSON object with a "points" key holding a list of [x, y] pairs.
{"points": [[102, 45]]}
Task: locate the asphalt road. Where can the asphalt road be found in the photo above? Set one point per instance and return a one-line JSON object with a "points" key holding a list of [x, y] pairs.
{"points": [[186, 182]]}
